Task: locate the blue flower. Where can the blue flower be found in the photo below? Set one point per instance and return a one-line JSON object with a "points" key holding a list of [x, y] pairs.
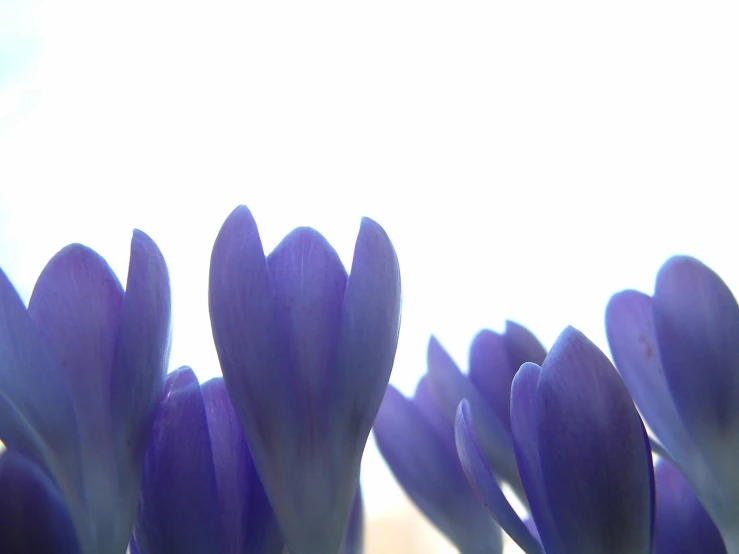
{"points": [[33, 515], [679, 355], [417, 442], [81, 372], [306, 354], [682, 524], [582, 452], [199, 489], [494, 360]]}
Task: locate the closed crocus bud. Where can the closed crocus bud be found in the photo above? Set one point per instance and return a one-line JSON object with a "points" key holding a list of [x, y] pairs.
{"points": [[33, 515], [200, 491], [682, 525], [678, 352], [417, 443], [306, 354], [582, 452], [81, 372], [493, 361]]}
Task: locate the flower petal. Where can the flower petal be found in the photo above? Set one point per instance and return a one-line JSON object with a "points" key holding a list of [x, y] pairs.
{"points": [[633, 343], [426, 404], [526, 443], [522, 345], [431, 475], [178, 502], [594, 451], [142, 353], [250, 346], [368, 338], [76, 306], [697, 324], [305, 477], [485, 485], [682, 524], [354, 538], [450, 387], [248, 522], [309, 283], [492, 373], [36, 414], [33, 515]]}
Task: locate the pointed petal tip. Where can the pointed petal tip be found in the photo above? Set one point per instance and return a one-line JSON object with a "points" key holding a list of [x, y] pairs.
{"points": [[375, 252], [179, 379]]}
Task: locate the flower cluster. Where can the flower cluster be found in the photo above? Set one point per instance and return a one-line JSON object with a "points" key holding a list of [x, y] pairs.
{"points": [[106, 452]]}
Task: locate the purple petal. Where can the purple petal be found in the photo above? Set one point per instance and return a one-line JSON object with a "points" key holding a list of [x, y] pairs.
{"points": [[633, 343], [309, 283], [525, 440], [431, 475], [178, 502], [697, 324], [354, 538], [594, 453], [491, 371], [244, 323], [485, 485], [522, 345], [132, 548], [33, 516], [76, 305], [682, 524], [36, 414], [251, 348], [304, 475], [426, 404], [368, 338], [450, 387], [142, 353], [246, 523]]}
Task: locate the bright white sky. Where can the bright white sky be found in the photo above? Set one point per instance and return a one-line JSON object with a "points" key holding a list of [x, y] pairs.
{"points": [[528, 159]]}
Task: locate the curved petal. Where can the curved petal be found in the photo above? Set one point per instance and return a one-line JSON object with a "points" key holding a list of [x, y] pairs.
{"points": [[633, 343], [449, 386], [33, 516], [36, 414], [250, 346], [246, 524], [522, 345], [697, 324], [426, 405], [368, 337], [141, 353], [491, 371], [178, 500], [305, 475], [485, 485], [595, 458], [682, 524], [431, 475], [354, 538], [76, 306], [526, 442]]}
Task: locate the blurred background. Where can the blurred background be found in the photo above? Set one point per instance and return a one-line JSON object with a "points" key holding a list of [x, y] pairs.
{"points": [[528, 159]]}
